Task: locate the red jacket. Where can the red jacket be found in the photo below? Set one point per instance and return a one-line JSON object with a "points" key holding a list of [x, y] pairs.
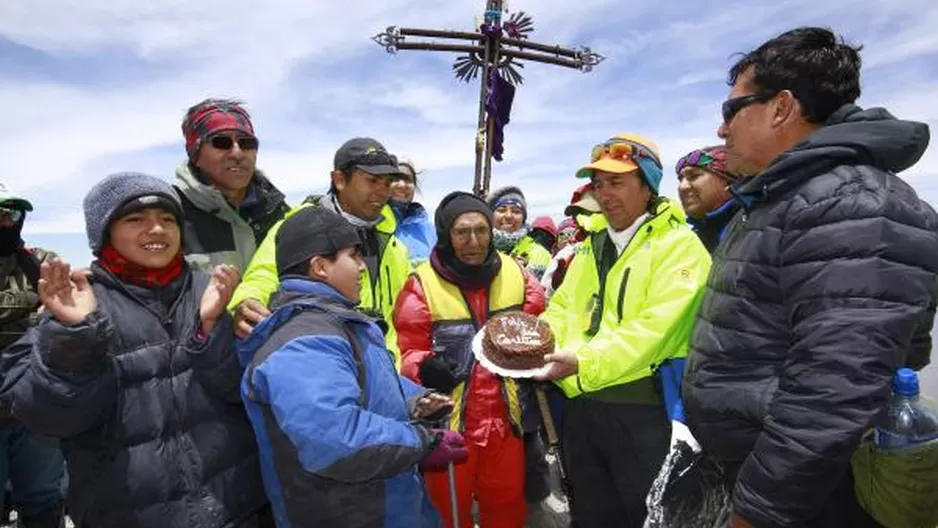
{"points": [[485, 408]]}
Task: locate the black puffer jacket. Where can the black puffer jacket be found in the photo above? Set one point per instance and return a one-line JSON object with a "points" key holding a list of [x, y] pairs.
{"points": [[153, 428], [822, 288]]}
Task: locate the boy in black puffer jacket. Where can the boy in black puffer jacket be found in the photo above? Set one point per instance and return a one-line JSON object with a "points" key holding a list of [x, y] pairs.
{"points": [[133, 367]]}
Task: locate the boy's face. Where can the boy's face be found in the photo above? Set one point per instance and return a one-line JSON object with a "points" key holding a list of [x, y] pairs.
{"points": [[344, 273], [150, 237]]}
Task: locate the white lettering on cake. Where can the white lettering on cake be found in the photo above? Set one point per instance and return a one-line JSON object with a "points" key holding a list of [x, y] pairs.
{"points": [[518, 333]]}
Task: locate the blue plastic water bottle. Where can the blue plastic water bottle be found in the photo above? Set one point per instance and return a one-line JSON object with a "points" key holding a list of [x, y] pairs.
{"points": [[909, 421]]}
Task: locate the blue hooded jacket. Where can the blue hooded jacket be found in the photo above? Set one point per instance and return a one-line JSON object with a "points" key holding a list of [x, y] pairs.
{"points": [[331, 416], [414, 229]]}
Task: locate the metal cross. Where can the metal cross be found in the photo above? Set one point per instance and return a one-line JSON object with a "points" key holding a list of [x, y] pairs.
{"points": [[495, 45]]}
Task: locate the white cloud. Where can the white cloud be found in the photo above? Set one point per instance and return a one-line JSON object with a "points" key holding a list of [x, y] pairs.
{"points": [[312, 78]]}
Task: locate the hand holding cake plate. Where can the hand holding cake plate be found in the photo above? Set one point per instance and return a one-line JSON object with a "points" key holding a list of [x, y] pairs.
{"points": [[513, 344]]}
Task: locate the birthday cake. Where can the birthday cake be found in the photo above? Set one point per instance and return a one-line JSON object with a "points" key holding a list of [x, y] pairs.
{"points": [[517, 341]]}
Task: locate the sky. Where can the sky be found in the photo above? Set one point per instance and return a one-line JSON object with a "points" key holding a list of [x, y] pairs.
{"points": [[93, 87]]}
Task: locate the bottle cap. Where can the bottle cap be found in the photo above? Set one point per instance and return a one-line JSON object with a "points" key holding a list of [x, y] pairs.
{"points": [[905, 383]]}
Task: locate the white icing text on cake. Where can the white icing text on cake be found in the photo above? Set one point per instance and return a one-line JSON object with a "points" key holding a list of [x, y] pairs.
{"points": [[518, 332]]}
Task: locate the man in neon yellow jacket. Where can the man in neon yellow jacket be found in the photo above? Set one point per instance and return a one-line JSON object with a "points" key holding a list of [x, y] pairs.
{"points": [[626, 306], [363, 171]]}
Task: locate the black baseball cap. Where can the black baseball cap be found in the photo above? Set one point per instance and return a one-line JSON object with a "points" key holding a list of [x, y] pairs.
{"points": [[368, 155], [310, 232]]}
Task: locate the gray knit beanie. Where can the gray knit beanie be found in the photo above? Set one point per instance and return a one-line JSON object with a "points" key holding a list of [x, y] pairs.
{"points": [[114, 195]]}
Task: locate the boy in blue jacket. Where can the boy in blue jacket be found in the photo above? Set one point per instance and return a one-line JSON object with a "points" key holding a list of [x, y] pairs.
{"points": [[331, 415]]}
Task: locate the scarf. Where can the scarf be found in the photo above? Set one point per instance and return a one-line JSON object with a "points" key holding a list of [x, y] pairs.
{"points": [[352, 219], [10, 238], [137, 275], [506, 242], [467, 277]]}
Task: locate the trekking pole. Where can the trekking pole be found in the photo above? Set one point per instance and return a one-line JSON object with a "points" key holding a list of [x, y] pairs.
{"points": [[553, 441], [451, 471]]}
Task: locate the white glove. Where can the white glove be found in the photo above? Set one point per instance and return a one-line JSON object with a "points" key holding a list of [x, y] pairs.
{"points": [[679, 431]]}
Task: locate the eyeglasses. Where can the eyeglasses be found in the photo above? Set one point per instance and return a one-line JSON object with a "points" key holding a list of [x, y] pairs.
{"points": [[227, 142], [731, 107], [463, 234], [622, 150], [15, 215]]}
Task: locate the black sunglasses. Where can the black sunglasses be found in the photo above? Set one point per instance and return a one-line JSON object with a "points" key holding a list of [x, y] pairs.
{"points": [[227, 142], [731, 107]]}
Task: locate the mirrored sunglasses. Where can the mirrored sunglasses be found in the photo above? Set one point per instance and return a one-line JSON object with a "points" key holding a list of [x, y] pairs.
{"points": [[622, 150]]}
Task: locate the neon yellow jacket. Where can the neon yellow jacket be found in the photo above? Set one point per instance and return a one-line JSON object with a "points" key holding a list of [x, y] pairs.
{"points": [[260, 280], [535, 257], [650, 299]]}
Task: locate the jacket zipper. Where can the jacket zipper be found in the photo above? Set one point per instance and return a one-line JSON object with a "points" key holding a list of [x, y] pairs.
{"points": [[625, 282], [387, 280]]}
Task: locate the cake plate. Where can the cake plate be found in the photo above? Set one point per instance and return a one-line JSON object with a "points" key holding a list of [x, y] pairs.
{"points": [[501, 371]]}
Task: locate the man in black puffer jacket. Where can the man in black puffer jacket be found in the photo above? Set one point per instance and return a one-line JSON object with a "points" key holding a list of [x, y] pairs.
{"points": [[824, 285]]}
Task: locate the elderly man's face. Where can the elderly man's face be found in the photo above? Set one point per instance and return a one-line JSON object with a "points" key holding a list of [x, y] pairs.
{"points": [[470, 237]]}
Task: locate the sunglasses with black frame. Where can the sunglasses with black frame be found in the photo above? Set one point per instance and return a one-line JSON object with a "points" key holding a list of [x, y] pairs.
{"points": [[731, 107], [227, 142]]}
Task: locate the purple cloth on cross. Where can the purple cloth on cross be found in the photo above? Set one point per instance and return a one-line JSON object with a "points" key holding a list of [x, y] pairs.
{"points": [[501, 93]]}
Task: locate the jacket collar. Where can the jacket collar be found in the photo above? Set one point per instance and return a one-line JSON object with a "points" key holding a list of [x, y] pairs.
{"points": [[298, 287], [718, 215], [211, 200], [664, 212], [387, 223]]}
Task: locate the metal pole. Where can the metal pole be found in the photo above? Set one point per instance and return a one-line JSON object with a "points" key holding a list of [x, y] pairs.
{"points": [[481, 135], [492, 52], [453, 503], [553, 443]]}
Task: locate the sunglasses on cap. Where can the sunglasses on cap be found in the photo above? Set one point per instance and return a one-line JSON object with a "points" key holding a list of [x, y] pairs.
{"points": [[731, 107], [15, 215], [227, 142], [622, 150]]}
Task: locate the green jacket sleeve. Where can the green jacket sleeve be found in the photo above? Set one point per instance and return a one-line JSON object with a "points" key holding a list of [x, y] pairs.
{"points": [[260, 280], [625, 352], [400, 262]]}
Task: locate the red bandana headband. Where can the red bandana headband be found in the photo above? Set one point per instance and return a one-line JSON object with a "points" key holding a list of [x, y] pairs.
{"points": [[212, 118]]}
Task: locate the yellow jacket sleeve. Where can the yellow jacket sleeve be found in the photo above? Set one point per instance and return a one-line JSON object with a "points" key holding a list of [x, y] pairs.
{"points": [[261, 279], [659, 329]]}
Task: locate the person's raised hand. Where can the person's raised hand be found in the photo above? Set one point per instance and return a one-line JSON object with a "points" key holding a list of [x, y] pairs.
{"points": [[217, 295], [65, 294]]}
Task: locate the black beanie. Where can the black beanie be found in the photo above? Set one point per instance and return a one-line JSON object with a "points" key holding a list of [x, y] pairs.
{"points": [[453, 205], [311, 232]]}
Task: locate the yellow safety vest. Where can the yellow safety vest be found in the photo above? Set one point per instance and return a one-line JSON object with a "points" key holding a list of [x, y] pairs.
{"points": [[454, 327]]}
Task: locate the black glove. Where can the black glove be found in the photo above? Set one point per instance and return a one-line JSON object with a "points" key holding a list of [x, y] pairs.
{"points": [[436, 374]]}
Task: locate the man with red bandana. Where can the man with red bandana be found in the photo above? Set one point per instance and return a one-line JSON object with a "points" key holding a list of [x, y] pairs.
{"points": [[229, 205]]}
